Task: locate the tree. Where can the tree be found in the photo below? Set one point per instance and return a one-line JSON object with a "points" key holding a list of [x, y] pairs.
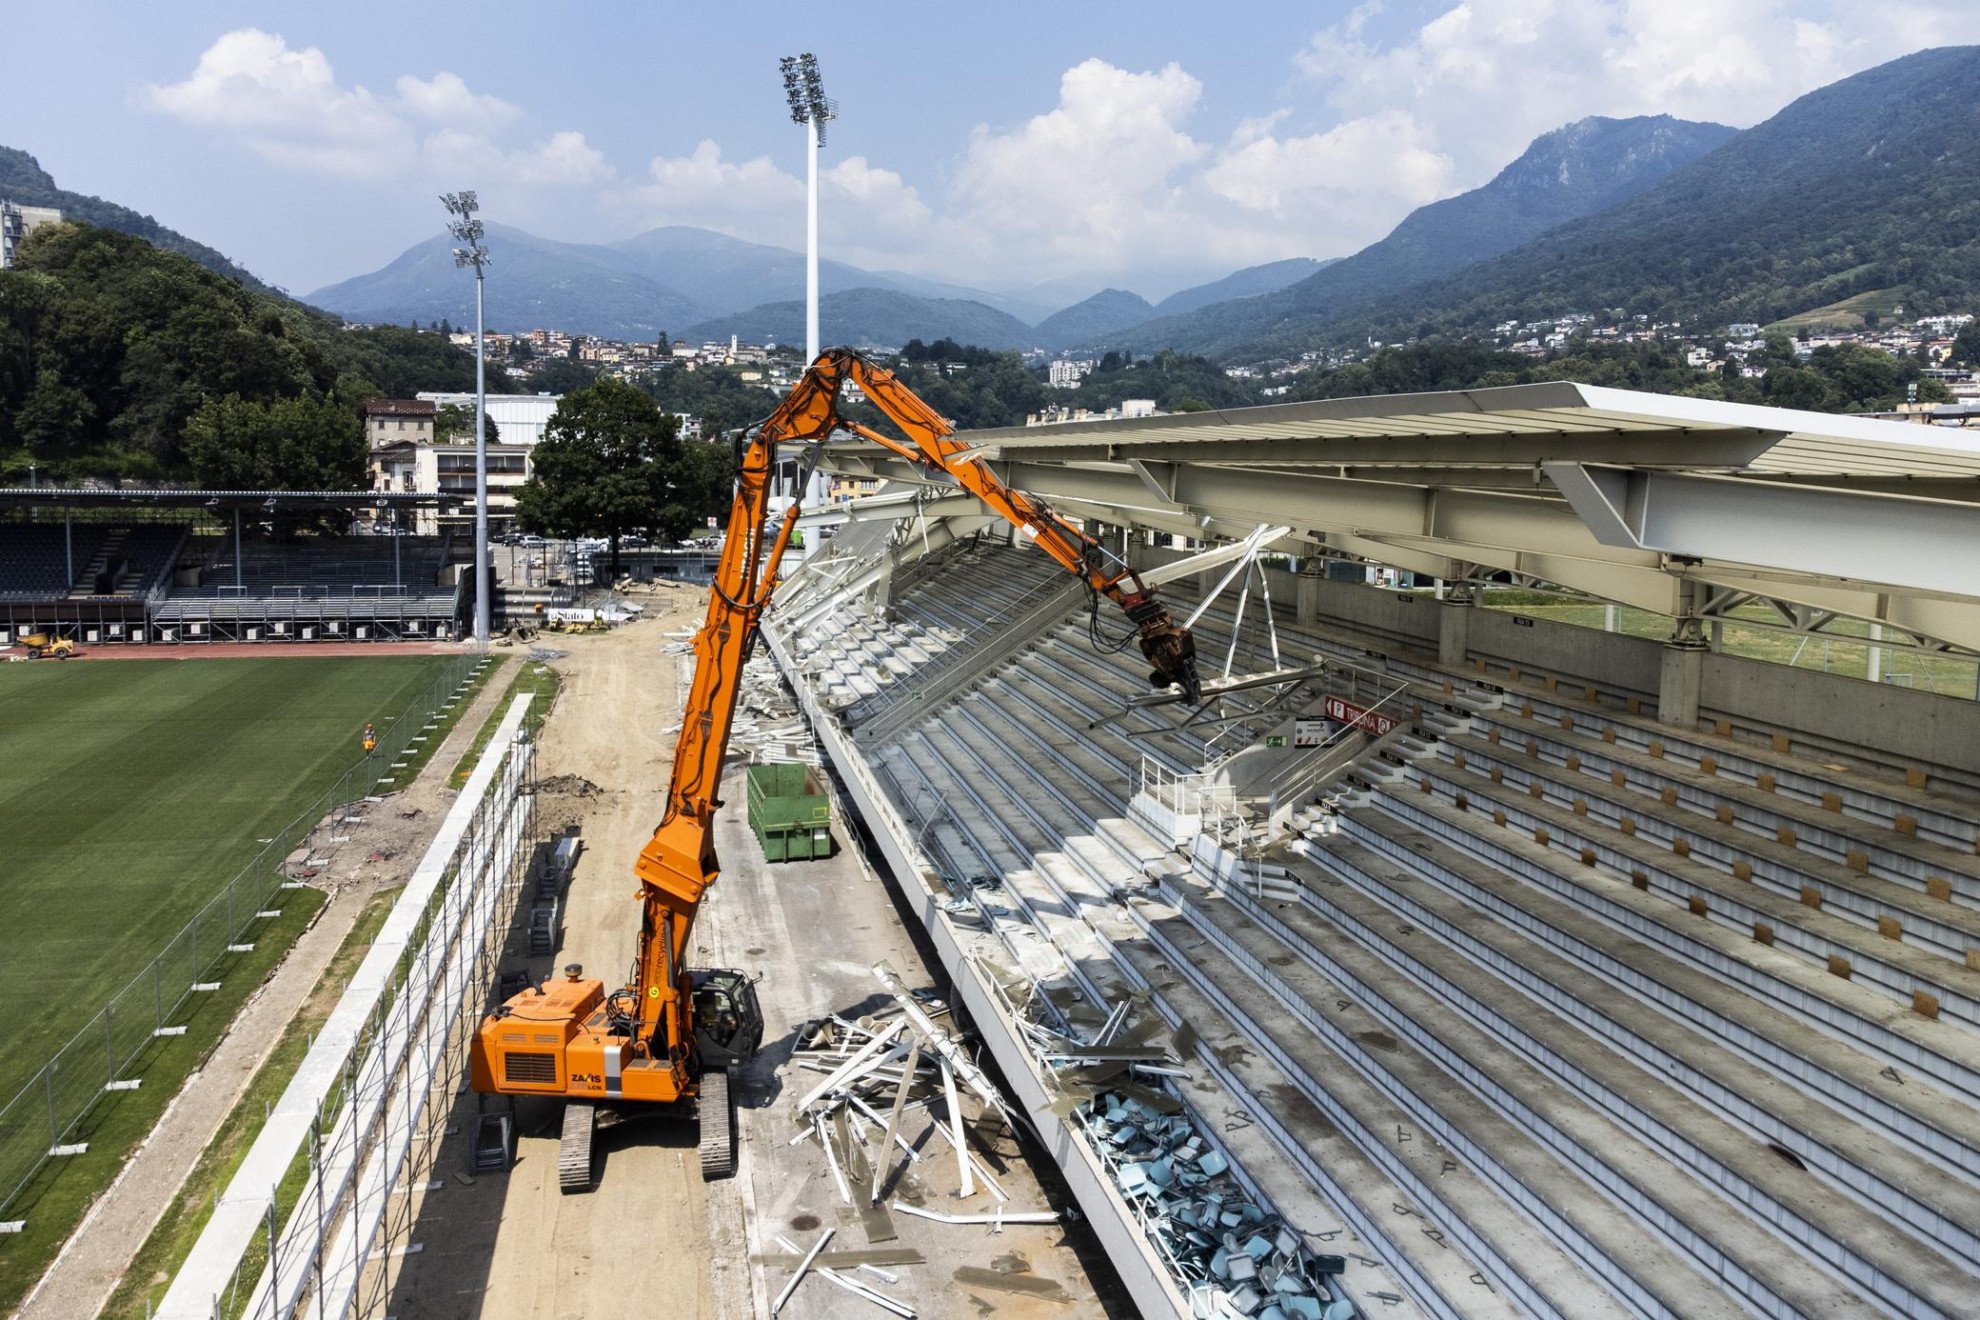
{"points": [[607, 466], [454, 423], [562, 376], [704, 483], [291, 444], [1966, 344]]}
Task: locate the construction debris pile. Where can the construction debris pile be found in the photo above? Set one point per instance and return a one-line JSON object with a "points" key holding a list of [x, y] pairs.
{"points": [[1237, 1257], [769, 728], [1230, 1252], [889, 1084]]}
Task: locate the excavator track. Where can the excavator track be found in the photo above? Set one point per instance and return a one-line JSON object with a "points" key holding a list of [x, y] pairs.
{"points": [[717, 1113], [574, 1150]]}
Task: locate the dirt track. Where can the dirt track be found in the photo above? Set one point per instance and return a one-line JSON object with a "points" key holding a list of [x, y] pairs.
{"points": [[653, 1239], [511, 1247]]}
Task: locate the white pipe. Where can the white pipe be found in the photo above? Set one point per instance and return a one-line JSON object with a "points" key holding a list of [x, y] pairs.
{"points": [[803, 1265], [1001, 1217]]}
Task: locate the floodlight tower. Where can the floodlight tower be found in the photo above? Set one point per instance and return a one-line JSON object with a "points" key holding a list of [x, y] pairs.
{"points": [[806, 92], [466, 228]]}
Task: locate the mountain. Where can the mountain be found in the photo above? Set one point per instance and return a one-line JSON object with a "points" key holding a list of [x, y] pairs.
{"points": [[885, 318], [1091, 321], [1584, 168], [662, 280], [1246, 283], [1867, 190], [25, 183], [532, 282]]}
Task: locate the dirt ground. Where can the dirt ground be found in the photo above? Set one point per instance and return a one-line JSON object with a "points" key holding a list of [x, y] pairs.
{"points": [[653, 1239], [364, 855]]}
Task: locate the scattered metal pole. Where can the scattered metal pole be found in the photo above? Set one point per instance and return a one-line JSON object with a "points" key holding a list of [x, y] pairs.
{"points": [[803, 1266]]}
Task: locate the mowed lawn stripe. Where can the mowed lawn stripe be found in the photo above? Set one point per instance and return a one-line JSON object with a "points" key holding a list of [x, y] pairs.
{"points": [[130, 793]]}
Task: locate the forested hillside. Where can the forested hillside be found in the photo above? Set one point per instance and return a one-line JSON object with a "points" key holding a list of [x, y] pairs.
{"points": [[113, 352], [1870, 186]]}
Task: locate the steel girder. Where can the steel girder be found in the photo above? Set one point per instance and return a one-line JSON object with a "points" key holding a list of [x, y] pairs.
{"points": [[1689, 534]]}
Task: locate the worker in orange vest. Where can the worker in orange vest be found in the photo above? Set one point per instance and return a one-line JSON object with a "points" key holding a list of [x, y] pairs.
{"points": [[370, 740]]}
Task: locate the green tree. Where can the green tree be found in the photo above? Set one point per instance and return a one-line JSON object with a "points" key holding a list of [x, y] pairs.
{"points": [[1966, 344], [704, 484], [233, 443], [607, 466], [453, 423], [561, 376]]}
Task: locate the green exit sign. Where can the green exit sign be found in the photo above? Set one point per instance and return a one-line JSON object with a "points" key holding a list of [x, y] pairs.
{"points": [[1275, 740]]}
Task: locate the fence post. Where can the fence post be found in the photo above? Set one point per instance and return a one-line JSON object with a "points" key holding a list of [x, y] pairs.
{"points": [[157, 994], [48, 1086], [109, 1043]]}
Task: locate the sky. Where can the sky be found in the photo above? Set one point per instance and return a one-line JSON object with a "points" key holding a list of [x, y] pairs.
{"points": [[1034, 149]]}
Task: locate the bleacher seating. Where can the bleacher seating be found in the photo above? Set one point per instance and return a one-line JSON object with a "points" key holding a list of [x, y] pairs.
{"points": [[1559, 1009], [35, 558], [330, 577]]}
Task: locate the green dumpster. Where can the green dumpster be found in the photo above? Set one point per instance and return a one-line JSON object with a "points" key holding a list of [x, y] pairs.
{"points": [[790, 812]]}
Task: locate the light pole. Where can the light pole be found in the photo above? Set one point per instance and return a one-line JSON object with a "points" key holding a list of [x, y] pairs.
{"points": [[805, 91], [467, 229]]}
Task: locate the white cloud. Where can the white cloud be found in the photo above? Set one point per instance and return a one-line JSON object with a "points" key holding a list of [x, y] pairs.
{"points": [[446, 99], [287, 106], [702, 188]]}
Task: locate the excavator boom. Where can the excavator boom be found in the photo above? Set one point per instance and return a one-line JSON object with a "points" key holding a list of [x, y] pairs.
{"points": [[658, 1037]]}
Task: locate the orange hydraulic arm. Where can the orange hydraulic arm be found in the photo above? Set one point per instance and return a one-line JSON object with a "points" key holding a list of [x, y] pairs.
{"points": [[678, 864], [1168, 647]]}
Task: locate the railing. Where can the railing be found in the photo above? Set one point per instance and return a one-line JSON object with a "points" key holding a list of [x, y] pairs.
{"points": [[108, 1049]]}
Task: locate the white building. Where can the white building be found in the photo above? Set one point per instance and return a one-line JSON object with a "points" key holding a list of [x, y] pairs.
{"points": [[1067, 373], [17, 222], [519, 418]]}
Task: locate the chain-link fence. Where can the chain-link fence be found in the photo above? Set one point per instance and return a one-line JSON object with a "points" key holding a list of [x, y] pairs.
{"points": [[106, 1055], [308, 1220]]}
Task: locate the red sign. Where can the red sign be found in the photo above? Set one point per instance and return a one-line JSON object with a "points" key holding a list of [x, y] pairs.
{"points": [[1346, 712]]}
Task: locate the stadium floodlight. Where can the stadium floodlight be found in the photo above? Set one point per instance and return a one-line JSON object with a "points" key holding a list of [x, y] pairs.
{"points": [[804, 89], [466, 226]]}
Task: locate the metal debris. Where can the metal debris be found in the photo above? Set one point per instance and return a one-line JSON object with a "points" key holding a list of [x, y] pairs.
{"points": [[1230, 1252]]}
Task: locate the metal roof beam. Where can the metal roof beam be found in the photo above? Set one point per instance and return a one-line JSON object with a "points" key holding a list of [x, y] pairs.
{"points": [[1678, 448], [1885, 539]]}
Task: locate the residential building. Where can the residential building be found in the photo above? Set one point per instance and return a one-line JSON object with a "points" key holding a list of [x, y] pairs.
{"points": [[389, 421], [1067, 373], [17, 222]]}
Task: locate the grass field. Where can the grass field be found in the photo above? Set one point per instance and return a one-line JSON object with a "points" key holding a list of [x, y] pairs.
{"points": [[132, 791]]}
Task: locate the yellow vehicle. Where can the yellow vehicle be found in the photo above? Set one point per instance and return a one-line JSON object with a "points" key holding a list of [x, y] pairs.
{"points": [[47, 646], [671, 1033]]}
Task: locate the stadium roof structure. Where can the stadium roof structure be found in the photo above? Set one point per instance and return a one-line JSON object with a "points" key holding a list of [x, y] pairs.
{"points": [[1686, 507], [87, 497]]}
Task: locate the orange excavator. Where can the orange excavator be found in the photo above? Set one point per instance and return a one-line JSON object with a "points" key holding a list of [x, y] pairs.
{"points": [[671, 1035]]}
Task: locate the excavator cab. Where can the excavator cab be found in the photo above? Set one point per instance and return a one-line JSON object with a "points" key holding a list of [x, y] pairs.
{"points": [[728, 1022]]}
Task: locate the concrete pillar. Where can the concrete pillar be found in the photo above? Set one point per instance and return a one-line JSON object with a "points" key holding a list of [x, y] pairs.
{"points": [[1679, 678], [1454, 621], [1681, 671], [1454, 632], [1306, 595]]}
